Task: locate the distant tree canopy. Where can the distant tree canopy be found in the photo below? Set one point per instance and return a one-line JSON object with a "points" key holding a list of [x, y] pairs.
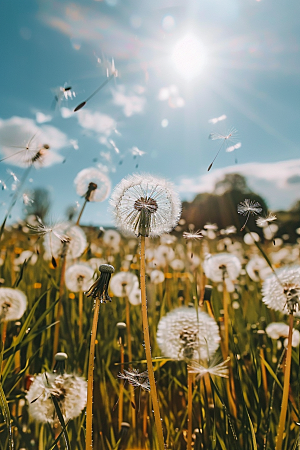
{"points": [[220, 207], [40, 203]]}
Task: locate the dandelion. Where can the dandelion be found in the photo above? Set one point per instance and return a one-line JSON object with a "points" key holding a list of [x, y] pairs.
{"points": [[13, 304], [157, 276], [93, 185], [99, 292], [62, 93], [276, 330], [222, 266], [122, 283], [78, 277], [281, 291], [184, 334], [247, 208], [54, 242], [145, 205], [41, 229], [230, 136], [257, 268], [219, 369], [111, 73], [134, 296], [111, 238], [136, 378], [177, 265], [68, 389]]}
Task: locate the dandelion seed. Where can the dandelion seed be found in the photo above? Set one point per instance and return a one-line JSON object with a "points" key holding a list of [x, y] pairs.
{"points": [[136, 378], [113, 144], [41, 230], [265, 221], [111, 73], [247, 208], [215, 368], [192, 235], [231, 136]]}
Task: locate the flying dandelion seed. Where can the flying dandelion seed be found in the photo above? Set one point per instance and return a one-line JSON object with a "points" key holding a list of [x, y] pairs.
{"points": [[192, 235], [26, 199], [233, 147], [136, 378], [247, 208], [41, 230], [113, 144], [217, 369], [62, 93], [111, 73], [265, 221], [229, 137]]}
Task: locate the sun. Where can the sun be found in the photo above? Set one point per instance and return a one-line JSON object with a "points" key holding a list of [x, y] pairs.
{"points": [[189, 57]]}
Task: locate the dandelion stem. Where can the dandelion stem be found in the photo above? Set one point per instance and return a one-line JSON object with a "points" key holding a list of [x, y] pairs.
{"points": [[190, 410], [80, 309], [81, 212], [286, 385], [89, 404], [129, 347], [121, 388], [153, 391]]}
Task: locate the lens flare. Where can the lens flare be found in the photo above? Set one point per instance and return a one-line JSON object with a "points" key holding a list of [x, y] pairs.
{"points": [[189, 57]]}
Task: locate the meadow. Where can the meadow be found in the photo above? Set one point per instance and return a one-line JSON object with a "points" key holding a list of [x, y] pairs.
{"points": [[222, 390]]}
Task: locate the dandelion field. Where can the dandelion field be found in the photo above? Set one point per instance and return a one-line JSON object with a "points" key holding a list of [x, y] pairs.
{"points": [[239, 409]]}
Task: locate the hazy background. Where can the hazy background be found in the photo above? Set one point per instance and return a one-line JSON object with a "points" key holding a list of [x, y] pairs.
{"points": [[240, 60]]}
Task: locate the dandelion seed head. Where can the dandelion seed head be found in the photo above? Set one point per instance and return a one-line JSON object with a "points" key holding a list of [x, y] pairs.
{"points": [[13, 304], [134, 296], [145, 205], [281, 292], [122, 283], [111, 238], [185, 335], [69, 390], [276, 330], [157, 276], [257, 268], [79, 277], [222, 266], [92, 175]]}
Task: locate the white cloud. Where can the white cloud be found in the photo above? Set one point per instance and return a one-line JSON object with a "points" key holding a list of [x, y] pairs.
{"points": [[277, 182], [101, 124], [42, 118], [133, 102], [17, 132]]}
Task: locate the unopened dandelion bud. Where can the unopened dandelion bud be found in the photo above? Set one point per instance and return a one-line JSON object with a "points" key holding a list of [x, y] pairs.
{"points": [[121, 326], [92, 187], [60, 362], [207, 293], [125, 426]]}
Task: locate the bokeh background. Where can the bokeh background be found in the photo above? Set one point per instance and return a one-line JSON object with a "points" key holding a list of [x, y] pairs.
{"points": [[186, 68]]}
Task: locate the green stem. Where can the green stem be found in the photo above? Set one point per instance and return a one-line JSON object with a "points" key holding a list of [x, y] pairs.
{"points": [[153, 391]]}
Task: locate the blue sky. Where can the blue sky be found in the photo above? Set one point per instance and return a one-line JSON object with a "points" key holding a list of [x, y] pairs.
{"points": [[240, 60]]}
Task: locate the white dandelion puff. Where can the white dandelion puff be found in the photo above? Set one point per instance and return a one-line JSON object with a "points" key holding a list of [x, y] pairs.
{"points": [[122, 283], [75, 236], [100, 183], [222, 266], [276, 330], [145, 205], [69, 390], [192, 235], [79, 277], [13, 304], [184, 334], [281, 290], [217, 119]]}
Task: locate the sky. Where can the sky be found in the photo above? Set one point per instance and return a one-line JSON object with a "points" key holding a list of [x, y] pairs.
{"points": [[189, 72]]}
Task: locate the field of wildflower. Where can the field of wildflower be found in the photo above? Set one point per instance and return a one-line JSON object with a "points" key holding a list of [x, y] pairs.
{"points": [[152, 335]]}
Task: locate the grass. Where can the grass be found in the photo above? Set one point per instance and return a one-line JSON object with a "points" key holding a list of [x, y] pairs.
{"points": [[256, 377]]}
